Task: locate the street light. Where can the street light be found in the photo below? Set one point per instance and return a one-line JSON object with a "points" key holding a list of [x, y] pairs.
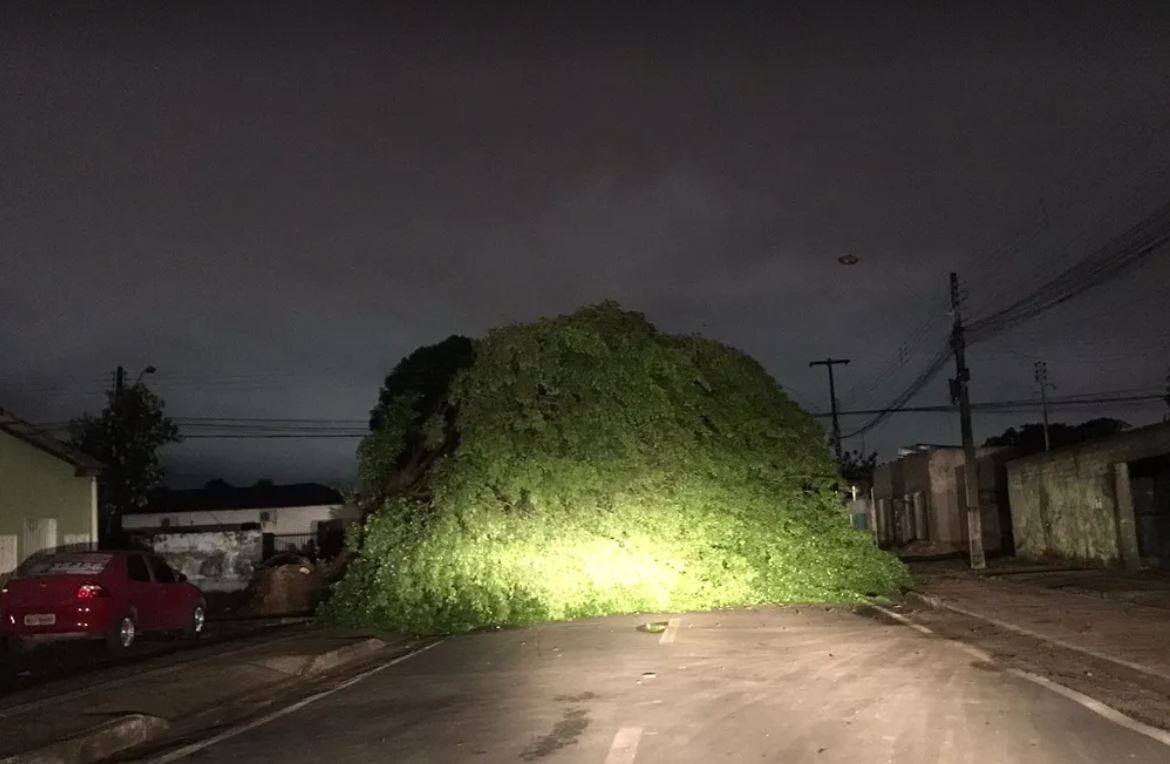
{"points": [[141, 374]]}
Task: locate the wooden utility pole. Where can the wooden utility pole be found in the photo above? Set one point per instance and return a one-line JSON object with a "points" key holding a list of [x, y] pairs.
{"points": [[1042, 380], [961, 396], [829, 363]]}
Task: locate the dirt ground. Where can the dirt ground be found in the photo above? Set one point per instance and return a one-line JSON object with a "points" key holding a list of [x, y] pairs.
{"points": [[1141, 598]]}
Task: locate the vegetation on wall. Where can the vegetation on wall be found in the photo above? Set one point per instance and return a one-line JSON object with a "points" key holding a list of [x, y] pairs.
{"points": [[586, 465]]}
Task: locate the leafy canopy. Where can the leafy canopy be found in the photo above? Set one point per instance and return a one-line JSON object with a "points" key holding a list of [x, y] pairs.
{"points": [[586, 465], [126, 438]]}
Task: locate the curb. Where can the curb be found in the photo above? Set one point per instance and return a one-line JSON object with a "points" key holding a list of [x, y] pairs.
{"points": [[1087, 701], [325, 661], [937, 603], [311, 665], [97, 743], [126, 732]]}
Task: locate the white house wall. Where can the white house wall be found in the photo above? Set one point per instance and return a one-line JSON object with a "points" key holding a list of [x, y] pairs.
{"points": [[277, 520]]}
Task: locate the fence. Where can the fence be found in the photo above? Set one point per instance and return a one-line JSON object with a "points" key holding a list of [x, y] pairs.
{"points": [[295, 543]]}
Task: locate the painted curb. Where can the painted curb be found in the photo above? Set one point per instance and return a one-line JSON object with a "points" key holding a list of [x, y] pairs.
{"points": [[304, 665], [1089, 702], [325, 661], [126, 732], [97, 743], [935, 602]]}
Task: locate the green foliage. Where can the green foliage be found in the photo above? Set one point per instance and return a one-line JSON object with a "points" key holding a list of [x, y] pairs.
{"points": [[592, 465], [857, 467], [126, 438], [410, 425]]}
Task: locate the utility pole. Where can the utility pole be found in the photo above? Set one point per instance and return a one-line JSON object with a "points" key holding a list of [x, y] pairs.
{"points": [[961, 396], [1042, 380], [829, 363]]}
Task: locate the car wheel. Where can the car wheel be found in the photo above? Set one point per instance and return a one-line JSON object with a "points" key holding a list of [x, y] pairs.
{"points": [[196, 622], [122, 636]]}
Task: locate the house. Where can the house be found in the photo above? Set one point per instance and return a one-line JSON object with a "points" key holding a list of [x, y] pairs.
{"points": [[301, 516], [48, 493], [920, 502], [1104, 500]]}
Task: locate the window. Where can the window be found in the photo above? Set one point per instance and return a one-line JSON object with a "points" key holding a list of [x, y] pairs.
{"points": [[136, 568], [163, 573]]}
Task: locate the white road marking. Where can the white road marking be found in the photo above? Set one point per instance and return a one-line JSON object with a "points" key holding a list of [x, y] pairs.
{"points": [[1094, 705], [624, 747], [902, 619], [187, 750], [1097, 707], [671, 632], [1043, 638]]}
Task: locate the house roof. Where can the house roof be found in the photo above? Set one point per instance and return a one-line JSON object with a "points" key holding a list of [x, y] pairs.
{"points": [[85, 465], [221, 496]]}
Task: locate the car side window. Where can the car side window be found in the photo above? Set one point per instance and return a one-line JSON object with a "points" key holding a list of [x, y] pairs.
{"points": [[136, 568], [163, 573]]}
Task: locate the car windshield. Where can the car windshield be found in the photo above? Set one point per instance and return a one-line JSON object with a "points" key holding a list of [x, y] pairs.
{"points": [[65, 565]]}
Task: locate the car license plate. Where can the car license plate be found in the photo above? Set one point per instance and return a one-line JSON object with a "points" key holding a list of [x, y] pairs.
{"points": [[40, 619]]}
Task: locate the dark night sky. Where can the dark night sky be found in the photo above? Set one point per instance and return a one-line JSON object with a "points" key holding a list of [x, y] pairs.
{"points": [[273, 206]]}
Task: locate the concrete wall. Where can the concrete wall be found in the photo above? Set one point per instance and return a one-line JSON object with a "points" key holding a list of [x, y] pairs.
{"points": [[936, 477], [1064, 503], [215, 561], [278, 520], [43, 502]]}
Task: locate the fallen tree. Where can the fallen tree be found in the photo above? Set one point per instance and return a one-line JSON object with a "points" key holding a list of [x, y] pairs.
{"points": [[586, 465]]}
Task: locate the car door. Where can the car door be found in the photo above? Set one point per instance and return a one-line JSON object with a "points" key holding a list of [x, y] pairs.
{"points": [[140, 592], [170, 605]]}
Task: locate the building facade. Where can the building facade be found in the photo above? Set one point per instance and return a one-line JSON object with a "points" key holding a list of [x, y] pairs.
{"points": [[300, 517], [48, 494], [1105, 500], [920, 502]]}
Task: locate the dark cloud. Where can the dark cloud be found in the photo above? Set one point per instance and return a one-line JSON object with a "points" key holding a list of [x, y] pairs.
{"points": [[274, 205]]}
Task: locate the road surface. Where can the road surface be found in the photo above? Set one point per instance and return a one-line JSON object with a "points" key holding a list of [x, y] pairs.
{"points": [[776, 684]]}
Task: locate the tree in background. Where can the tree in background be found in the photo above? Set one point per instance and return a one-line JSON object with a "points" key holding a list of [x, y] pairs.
{"points": [[857, 468], [1029, 438], [126, 438], [398, 451], [589, 464]]}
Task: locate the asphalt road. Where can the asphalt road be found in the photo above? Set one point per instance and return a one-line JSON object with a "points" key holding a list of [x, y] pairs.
{"points": [[783, 685]]}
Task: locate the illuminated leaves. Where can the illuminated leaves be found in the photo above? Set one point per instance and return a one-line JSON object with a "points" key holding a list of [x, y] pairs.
{"points": [[593, 465]]}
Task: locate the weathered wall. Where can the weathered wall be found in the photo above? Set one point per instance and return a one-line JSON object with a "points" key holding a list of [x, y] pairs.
{"points": [[991, 496], [36, 485], [937, 474], [215, 561], [1064, 502]]}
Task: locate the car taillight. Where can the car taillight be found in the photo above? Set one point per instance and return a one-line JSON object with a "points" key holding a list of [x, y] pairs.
{"points": [[90, 591]]}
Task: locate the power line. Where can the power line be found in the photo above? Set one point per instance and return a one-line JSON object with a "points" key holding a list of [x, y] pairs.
{"points": [[1129, 248], [1010, 405]]}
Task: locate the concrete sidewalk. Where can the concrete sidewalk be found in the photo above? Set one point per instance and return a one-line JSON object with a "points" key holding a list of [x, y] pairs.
{"points": [[106, 717], [1107, 628]]}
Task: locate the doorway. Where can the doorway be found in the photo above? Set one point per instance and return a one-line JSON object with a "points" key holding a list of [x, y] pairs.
{"points": [[1150, 483]]}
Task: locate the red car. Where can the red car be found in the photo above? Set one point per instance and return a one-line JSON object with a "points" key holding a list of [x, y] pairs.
{"points": [[106, 595]]}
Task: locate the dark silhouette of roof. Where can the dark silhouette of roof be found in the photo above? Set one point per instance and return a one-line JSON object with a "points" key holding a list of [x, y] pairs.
{"points": [[84, 465], [218, 495]]}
